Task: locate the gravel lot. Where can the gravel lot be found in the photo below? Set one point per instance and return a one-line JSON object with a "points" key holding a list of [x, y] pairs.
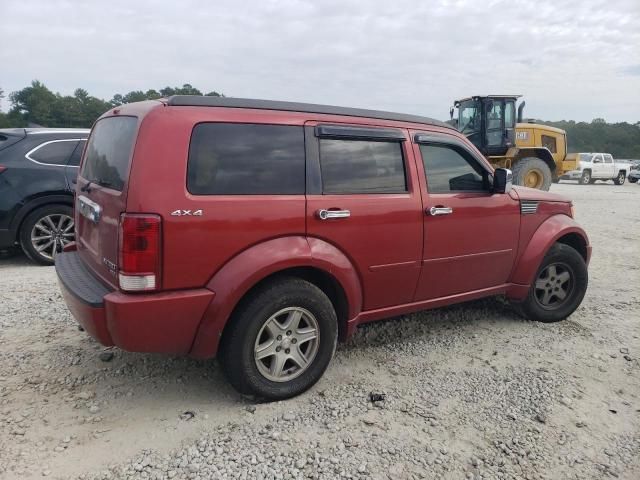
{"points": [[472, 391]]}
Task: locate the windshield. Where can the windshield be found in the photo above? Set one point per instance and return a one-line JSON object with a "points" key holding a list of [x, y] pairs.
{"points": [[585, 157], [469, 117]]}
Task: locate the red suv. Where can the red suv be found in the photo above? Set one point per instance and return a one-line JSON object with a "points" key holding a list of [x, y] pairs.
{"points": [[261, 232]]}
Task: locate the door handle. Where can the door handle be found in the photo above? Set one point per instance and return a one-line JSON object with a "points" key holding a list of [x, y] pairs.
{"points": [[324, 214], [440, 211]]}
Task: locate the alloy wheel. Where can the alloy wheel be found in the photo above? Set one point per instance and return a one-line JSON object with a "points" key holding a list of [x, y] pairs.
{"points": [[51, 234], [554, 285], [287, 344]]}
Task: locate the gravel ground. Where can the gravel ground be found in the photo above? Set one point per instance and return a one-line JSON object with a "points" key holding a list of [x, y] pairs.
{"points": [[470, 391]]}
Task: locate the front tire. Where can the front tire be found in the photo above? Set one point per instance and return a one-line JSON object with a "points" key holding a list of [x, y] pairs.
{"points": [[559, 286], [46, 231], [280, 340], [619, 180], [586, 178], [532, 172]]}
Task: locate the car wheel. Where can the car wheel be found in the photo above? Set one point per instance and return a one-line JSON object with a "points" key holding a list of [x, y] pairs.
{"points": [[558, 288], [586, 177], [280, 340], [46, 231], [619, 180], [633, 180]]}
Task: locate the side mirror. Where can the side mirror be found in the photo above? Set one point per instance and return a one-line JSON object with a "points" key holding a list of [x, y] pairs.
{"points": [[502, 180], [451, 113]]}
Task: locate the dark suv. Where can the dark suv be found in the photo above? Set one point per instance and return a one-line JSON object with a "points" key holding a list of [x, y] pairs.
{"points": [[261, 232], [38, 167]]}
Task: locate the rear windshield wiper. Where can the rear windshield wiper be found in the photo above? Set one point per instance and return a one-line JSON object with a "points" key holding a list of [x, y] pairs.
{"points": [[86, 187]]}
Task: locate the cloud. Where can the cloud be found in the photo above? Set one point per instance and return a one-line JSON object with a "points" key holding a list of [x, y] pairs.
{"points": [[631, 70], [569, 59]]}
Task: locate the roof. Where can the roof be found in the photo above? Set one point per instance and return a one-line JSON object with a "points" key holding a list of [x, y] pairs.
{"points": [[226, 102], [486, 96]]}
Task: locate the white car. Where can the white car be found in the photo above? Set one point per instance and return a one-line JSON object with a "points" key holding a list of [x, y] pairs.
{"points": [[598, 166]]}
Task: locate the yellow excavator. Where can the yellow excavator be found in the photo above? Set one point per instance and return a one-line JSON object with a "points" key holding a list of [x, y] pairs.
{"points": [[535, 153]]}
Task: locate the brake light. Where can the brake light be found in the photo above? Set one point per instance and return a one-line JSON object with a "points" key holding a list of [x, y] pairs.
{"points": [[139, 252]]}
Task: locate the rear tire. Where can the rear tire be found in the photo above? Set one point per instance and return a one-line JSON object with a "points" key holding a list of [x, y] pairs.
{"points": [[260, 350], [532, 172], [558, 288], [46, 231], [619, 180]]}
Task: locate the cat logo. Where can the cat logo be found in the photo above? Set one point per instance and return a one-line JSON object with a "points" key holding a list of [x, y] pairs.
{"points": [[186, 213], [522, 135]]}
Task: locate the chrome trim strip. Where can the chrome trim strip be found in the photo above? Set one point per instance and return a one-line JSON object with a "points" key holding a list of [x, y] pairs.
{"points": [[28, 154], [61, 132]]}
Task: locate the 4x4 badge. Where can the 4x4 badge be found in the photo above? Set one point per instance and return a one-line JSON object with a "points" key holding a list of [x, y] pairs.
{"points": [[182, 213]]}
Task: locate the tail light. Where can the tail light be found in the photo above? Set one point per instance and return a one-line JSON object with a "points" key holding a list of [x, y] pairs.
{"points": [[140, 252], [2, 168]]}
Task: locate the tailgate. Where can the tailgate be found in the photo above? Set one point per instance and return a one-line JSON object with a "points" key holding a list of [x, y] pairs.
{"points": [[101, 193]]}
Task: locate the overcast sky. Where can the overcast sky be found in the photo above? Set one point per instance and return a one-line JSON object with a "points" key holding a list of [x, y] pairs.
{"points": [[571, 59]]}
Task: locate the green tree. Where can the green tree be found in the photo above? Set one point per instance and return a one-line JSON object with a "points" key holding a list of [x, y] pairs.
{"points": [[33, 104]]}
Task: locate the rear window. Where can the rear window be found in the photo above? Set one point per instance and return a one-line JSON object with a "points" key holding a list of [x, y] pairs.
{"points": [[246, 159], [56, 152], [109, 151]]}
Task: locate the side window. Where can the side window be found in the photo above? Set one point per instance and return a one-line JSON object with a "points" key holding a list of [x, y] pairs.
{"points": [[362, 166], [246, 159], [608, 158], [494, 116], [597, 158], [74, 160], [550, 143], [451, 170], [56, 152], [509, 115]]}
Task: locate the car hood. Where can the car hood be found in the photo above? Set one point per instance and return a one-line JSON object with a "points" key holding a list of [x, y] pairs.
{"points": [[525, 193]]}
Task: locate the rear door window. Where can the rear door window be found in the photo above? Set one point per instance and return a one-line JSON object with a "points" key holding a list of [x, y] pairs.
{"points": [[361, 166], [109, 151], [246, 159], [55, 152]]}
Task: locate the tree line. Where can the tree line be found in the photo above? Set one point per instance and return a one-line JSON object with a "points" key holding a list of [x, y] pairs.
{"points": [[37, 105], [621, 139]]}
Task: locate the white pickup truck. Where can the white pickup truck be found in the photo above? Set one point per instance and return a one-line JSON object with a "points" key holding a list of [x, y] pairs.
{"points": [[598, 166]]}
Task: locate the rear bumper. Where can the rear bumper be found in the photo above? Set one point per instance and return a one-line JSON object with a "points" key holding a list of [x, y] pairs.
{"points": [[159, 322]]}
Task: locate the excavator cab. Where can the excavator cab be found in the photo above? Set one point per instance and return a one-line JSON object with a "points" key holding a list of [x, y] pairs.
{"points": [[489, 122]]}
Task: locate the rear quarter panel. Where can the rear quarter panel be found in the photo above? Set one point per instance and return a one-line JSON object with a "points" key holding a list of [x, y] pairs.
{"points": [[195, 247]]}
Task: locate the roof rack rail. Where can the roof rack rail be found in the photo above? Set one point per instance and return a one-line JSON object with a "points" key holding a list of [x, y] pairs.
{"points": [[202, 101]]}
